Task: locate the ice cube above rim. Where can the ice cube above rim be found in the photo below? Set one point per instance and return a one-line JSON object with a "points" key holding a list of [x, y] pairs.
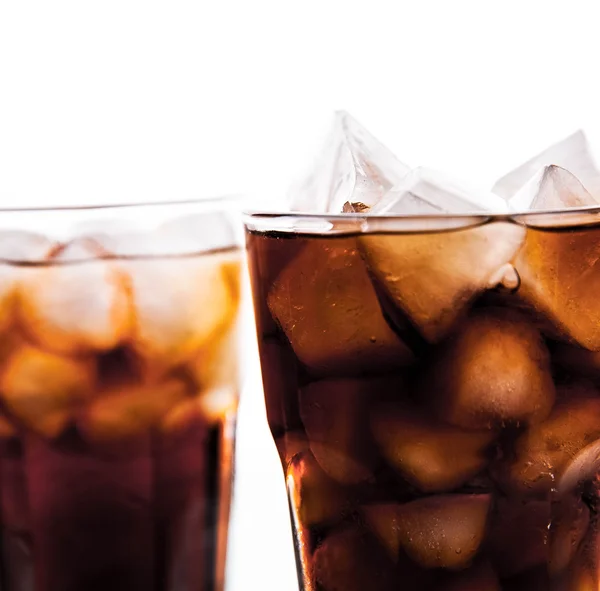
{"points": [[572, 153], [428, 191], [552, 188], [353, 168], [356, 174]]}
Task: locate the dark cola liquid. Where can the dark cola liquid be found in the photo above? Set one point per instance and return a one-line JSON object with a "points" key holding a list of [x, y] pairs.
{"points": [[435, 402], [116, 460], [78, 518]]}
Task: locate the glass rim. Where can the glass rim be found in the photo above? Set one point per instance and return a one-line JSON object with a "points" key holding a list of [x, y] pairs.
{"points": [[145, 230], [337, 223], [228, 198]]}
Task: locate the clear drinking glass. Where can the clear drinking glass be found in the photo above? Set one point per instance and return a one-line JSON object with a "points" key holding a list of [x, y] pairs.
{"points": [[432, 384], [118, 395]]}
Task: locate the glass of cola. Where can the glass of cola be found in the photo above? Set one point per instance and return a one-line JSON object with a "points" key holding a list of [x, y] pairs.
{"points": [[432, 381], [118, 396]]}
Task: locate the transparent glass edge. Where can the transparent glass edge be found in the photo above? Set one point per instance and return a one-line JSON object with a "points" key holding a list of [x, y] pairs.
{"points": [[300, 222], [230, 198], [64, 225]]}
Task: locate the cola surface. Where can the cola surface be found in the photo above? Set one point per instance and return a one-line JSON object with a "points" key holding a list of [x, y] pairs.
{"points": [[435, 401], [118, 396]]}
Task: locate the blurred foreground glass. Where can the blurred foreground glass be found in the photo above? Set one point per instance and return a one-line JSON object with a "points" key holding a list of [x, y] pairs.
{"points": [[431, 384], [118, 396]]}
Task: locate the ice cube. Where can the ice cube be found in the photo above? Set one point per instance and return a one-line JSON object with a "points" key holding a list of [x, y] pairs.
{"points": [[197, 233], [574, 535], [433, 277], [318, 500], [184, 278], [443, 531], [569, 526], [16, 247], [583, 573], [552, 188], [77, 302], [382, 522], [572, 153], [327, 307], [405, 203], [353, 168], [560, 275], [334, 413], [44, 390], [194, 233], [290, 444], [216, 404], [215, 371], [495, 370], [424, 191], [181, 416], [128, 412], [518, 537], [349, 560], [267, 257], [582, 469], [543, 451], [102, 229], [480, 577], [179, 306], [431, 455]]}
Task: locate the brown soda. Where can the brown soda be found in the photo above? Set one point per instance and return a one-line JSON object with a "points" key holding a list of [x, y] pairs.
{"points": [[424, 413], [117, 421]]}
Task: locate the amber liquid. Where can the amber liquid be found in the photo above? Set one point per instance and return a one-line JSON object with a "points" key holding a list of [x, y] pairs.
{"points": [[121, 477], [429, 438]]}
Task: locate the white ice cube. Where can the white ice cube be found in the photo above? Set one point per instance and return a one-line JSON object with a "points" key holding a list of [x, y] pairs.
{"points": [[558, 270], [353, 167], [180, 305], [552, 187], [16, 247], [433, 277], [425, 191], [44, 390], [77, 302], [572, 153]]}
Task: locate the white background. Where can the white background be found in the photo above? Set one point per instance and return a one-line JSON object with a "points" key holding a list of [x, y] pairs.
{"points": [[122, 100]]}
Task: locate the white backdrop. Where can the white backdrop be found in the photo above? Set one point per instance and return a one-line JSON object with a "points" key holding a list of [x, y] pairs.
{"points": [[123, 100]]}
